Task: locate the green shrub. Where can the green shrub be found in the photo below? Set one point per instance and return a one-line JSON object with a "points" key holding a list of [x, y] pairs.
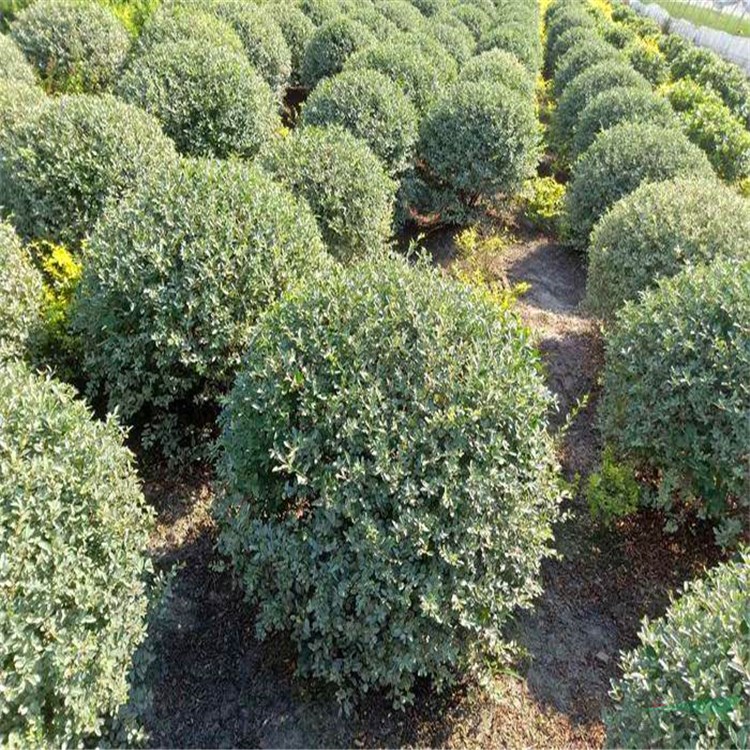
{"points": [[402, 13], [501, 68], [566, 19], [479, 140], [430, 8], [657, 230], [621, 159], [612, 492], [13, 65], [209, 100], [687, 682], [344, 183], [390, 484], [59, 166], [648, 60], [373, 108], [710, 124], [516, 39], [456, 40], [74, 530], [568, 40], [580, 58], [74, 45], [320, 11], [18, 102], [543, 203], [175, 275], [675, 391], [298, 30], [581, 91], [476, 20], [264, 42], [20, 296], [420, 77], [331, 46], [618, 105]]}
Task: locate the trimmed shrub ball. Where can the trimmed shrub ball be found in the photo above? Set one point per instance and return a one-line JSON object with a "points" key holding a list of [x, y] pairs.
{"points": [[566, 19], [476, 20], [479, 140], [456, 40], [371, 107], [516, 39], [298, 30], [174, 278], [13, 65], [75, 580], [402, 13], [657, 230], [421, 77], [389, 481], [582, 90], [675, 396], [430, 8], [331, 46], [692, 664], [344, 183], [621, 159], [18, 102], [580, 58], [619, 105], [209, 100], [21, 296], [74, 45], [502, 68], [571, 39], [59, 166]]}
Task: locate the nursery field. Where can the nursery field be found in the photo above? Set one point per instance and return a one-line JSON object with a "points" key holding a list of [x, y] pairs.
{"points": [[373, 373]]}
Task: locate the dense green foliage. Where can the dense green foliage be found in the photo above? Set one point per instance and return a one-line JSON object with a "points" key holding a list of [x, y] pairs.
{"points": [[687, 684], [209, 100], [17, 103], [390, 484], [74, 531], [457, 40], [657, 230], [13, 65], [618, 161], [572, 38], [60, 163], [561, 20], [20, 296], [74, 45], [502, 68], [373, 108], [344, 183], [298, 30], [579, 59], [676, 396], [517, 39], [175, 275]]}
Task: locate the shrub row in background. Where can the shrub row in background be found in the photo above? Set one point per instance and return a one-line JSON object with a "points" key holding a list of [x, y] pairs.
{"points": [[13, 64]]}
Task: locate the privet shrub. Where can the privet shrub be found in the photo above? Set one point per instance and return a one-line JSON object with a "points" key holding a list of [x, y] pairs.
{"points": [[74, 45], [584, 89], [567, 41], [20, 296], [563, 20], [321, 11], [74, 531], [456, 40], [330, 47], [579, 59], [618, 161], [648, 60], [675, 390], [18, 101], [175, 275], [618, 105], [371, 107], [390, 484], [502, 68], [13, 65], [298, 30], [344, 183], [710, 124], [421, 77], [657, 230], [58, 167], [476, 20], [402, 13], [209, 100], [687, 684], [479, 140], [264, 42], [516, 39], [430, 7]]}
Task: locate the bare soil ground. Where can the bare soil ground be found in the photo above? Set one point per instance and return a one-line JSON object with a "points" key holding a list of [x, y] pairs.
{"points": [[216, 686]]}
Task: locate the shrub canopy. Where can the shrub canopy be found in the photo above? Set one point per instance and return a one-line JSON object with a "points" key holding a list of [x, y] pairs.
{"points": [[502, 68], [580, 58], [13, 65]]}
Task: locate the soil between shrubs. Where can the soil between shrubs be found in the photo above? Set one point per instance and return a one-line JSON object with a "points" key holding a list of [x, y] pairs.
{"points": [[215, 685]]}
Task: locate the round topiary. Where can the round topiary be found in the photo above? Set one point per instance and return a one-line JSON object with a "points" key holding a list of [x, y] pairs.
{"points": [[430, 8], [74, 45], [298, 30], [621, 159], [479, 140], [321, 11], [344, 183], [13, 65], [648, 60], [564, 19], [580, 58], [420, 77], [455, 39], [331, 46], [618, 105], [60, 165], [516, 39], [584, 89], [74, 530], [675, 396], [657, 230], [21, 296], [175, 276], [402, 13], [687, 684], [390, 484], [18, 101], [373, 108], [567, 41], [209, 100], [476, 20], [501, 68]]}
